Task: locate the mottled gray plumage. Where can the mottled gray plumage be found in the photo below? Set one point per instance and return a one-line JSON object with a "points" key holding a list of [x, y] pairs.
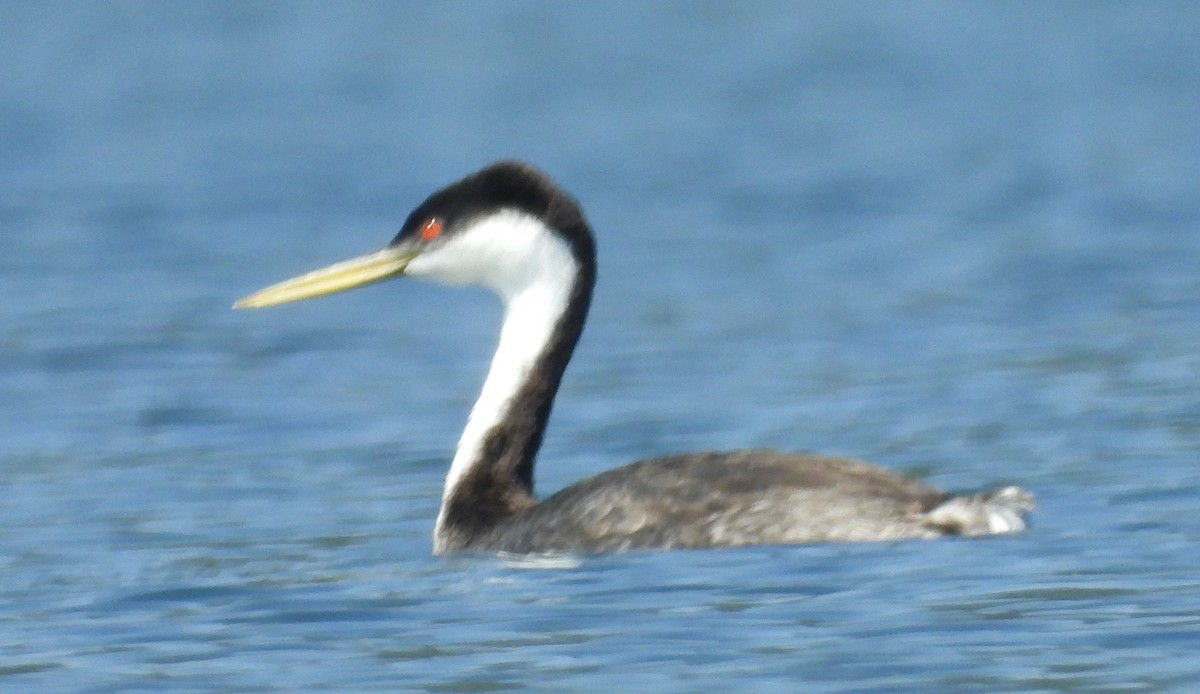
{"points": [[746, 497]]}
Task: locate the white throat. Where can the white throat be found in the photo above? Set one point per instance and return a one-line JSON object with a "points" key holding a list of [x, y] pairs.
{"points": [[533, 272]]}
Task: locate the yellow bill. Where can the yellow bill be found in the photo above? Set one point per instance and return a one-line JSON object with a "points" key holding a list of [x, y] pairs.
{"points": [[348, 274]]}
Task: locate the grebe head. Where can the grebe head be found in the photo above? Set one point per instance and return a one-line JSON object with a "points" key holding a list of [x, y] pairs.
{"points": [[507, 227]]}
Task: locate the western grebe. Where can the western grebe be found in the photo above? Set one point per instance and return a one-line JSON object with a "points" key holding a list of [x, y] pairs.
{"points": [[510, 228]]}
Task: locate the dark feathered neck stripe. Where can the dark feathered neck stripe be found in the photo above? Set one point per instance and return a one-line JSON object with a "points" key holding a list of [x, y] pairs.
{"points": [[500, 483]]}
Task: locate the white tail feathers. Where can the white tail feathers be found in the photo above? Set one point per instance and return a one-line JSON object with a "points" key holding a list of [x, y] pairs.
{"points": [[993, 512]]}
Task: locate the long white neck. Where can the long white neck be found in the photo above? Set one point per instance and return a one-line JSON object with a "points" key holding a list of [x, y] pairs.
{"points": [[529, 322], [535, 274]]}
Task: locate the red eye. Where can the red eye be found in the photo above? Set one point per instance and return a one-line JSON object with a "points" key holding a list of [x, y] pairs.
{"points": [[431, 228]]}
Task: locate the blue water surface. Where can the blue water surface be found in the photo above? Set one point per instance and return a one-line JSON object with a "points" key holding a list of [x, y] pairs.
{"points": [[960, 240]]}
